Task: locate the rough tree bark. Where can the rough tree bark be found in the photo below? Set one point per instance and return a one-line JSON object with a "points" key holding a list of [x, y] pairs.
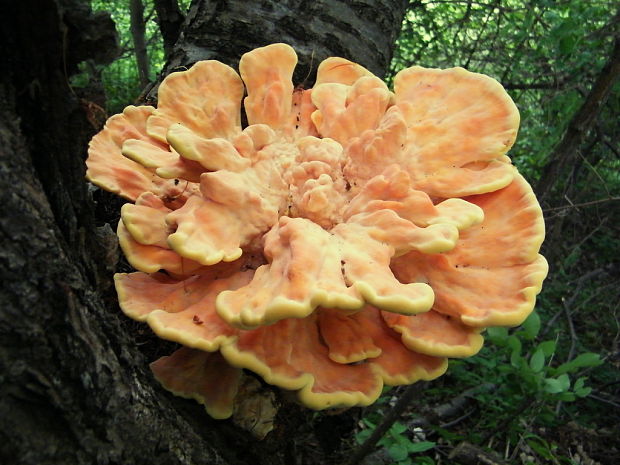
{"points": [[136, 9], [74, 384], [170, 19], [363, 31]]}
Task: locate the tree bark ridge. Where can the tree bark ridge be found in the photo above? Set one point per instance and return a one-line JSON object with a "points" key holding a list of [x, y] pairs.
{"points": [[170, 19], [73, 387], [136, 8], [363, 31]]}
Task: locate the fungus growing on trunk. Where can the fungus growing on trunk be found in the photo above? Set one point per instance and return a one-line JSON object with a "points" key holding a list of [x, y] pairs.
{"points": [[348, 238]]}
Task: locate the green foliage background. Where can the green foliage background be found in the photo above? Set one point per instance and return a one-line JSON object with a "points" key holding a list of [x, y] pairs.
{"points": [[561, 366]]}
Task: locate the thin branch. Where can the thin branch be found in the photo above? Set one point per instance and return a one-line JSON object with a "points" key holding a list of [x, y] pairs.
{"points": [[469, 454], [518, 49], [478, 38], [596, 173], [462, 22], [456, 421], [526, 403], [608, 144], [451, 408], [573, 333], [366, 448], [578, 205], [577, 292], [602, 399], [580, 124]]}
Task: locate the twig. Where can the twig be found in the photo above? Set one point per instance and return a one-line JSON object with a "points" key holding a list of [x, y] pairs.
{"points": [[366, 448], [573, 345], [596, 173], [589, 235], [456, 421], [477, 41], [580, 282], [450, 409], [584, 204], [503, 426], [610, 383], [573, 333], [469, 454], [550, 323], [610, 146], [602, 399]]}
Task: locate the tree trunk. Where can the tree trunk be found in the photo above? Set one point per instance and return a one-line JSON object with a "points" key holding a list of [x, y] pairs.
{"points": [[564, 153], [137, 28], [363, 31], [75, 386], [170, 19]]}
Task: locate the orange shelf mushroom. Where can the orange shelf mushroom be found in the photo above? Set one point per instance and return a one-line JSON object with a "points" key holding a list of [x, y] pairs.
{"points": [[349, 237]]}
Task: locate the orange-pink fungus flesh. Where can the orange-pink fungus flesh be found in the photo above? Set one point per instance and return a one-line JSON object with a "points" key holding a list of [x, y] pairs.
{"points": [[184, 311], [498, 285], [106, 165], [151, 258], [202, 376], [435, 334], [290, 354], [347, 238], [206, 99], [344, 112], [340, 71], [267, 73], [465, 117]]}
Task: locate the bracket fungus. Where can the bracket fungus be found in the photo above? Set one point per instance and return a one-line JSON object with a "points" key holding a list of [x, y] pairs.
{"points": [[349, 237]]}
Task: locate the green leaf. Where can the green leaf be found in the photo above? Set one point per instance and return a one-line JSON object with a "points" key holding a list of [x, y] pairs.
{"points": [[543, 448], [531, 326], [567, 45], [424, 460], [580, 389], [416, 447], [363, 435], [567, 397], [579, 384], [589, 359], [565, 380], [497, 336], [540, 449], [529, 377], [398, 428], [515, 345], [548, 347], [398, 452], [583, 392], [368, 423], [557, 385], [447, 434], [537, 361], [516, 360]]}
